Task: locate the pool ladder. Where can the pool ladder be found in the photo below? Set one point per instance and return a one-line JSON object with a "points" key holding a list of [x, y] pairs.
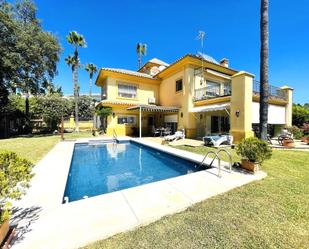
{"points": [[217, 156], [114, 136]]}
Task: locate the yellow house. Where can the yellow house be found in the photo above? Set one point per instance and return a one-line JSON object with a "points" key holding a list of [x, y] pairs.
{"points": [[195, 93]]}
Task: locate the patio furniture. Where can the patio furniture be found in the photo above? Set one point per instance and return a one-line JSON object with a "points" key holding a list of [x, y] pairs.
{"points": [[167, 131], [176, 136], [218, 140], [155, 131], [269, 139], [285, 135]]}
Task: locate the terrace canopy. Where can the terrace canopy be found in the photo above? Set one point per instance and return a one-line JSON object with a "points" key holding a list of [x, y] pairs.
{"points": [[211, 108], [150, 108]]}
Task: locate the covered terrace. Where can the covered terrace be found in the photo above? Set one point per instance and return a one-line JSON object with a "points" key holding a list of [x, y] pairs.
{"points": [[152, 109]]}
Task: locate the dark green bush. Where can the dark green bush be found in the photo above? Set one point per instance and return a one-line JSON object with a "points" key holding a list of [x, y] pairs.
{"points": [[254, 150]]}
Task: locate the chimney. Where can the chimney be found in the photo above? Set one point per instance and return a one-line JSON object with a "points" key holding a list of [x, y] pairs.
{"points": [[224, 62]]}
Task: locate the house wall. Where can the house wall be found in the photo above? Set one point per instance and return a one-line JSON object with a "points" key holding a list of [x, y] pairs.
{"points": [[144, 91], [241, 101], [181, 99], [164, 91], [121, 129]]}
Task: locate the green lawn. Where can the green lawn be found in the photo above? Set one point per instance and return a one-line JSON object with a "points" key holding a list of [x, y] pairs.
{"points": [[34, 148], [271, 213]]}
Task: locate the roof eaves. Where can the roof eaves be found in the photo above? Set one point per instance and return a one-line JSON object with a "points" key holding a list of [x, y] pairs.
{"points": [[127, 72], [196, 57]]}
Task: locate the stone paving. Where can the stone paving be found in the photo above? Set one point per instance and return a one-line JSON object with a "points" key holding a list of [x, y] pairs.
{"points": [[44, 222]]}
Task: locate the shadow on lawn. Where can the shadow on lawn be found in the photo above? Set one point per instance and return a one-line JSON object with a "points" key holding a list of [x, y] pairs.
{"points": [[22, 218]]}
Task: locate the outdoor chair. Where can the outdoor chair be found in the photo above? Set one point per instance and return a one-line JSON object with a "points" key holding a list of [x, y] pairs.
{"points": [[269, 139], [218, 140], [167, 131], [155, 132], [178, 135], [285, 136]]}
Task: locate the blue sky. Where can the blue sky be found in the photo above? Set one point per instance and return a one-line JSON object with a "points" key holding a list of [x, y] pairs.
{"points": [[112, 29]]}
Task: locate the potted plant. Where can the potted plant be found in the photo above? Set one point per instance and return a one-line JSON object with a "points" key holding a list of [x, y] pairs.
{"points": [[288, 142], [15, 174], [305, 139], [253, 152]]}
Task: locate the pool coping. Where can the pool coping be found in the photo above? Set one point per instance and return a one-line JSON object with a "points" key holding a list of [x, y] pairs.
{"points": [[123, 210]]}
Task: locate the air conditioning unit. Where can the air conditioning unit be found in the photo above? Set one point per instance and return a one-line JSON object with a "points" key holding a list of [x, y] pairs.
{"points": [[151, 100]]}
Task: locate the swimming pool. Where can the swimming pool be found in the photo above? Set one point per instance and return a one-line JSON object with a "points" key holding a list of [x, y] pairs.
{"points": [[105, 168]]}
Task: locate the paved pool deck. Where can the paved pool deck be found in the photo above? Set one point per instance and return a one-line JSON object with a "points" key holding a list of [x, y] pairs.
{"points": [[44, 222]]}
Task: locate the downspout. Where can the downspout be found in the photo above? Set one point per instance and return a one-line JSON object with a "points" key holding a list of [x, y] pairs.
{"points": [[140, 122]]}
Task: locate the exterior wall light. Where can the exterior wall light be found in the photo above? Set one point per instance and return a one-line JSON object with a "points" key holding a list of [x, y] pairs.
{"points": [[114, 115], [237, 113], [181, 114]]}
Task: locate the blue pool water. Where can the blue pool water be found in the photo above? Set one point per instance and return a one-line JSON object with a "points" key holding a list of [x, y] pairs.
{"points": [[105, 168]]}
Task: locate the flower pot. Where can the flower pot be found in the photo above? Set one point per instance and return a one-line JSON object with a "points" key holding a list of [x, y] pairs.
{"points": [[288, 143], [248, 165], [4, 229], [305, 140]]}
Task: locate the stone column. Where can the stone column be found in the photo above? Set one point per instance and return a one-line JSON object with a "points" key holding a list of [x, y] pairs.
{"points": [[288, 91], [241, 106], [189, 121]]}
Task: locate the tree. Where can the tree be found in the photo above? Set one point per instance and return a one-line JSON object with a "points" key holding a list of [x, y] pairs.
{"points": [[86, 107], [70, 61], [91, 69], [300, 115], [77, 41], [264, 70], [28, 54], [104, 112], [51, 108], [141, 50], [50, 88]]}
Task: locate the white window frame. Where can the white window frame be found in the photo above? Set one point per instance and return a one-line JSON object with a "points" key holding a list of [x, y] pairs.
{"points": [[125, 93], [210, 85], [180, 79], [123, 116]]}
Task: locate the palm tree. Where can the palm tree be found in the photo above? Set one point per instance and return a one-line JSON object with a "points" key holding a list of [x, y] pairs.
{"points": [[91, 69], [70, 61], [264, 70], [77, 40], [141, 49]]}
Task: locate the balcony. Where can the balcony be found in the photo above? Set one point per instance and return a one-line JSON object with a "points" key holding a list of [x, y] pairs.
{"points": [[273, 91], [210, 92]]}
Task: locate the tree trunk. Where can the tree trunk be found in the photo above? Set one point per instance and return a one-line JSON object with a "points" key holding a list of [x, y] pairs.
{"points": [[27, 105], [76, 96], [90, 89], [264, 71]]}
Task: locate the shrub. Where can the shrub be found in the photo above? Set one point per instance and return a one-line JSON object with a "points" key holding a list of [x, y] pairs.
{"points": [[51, 108], [254, 150], [104, 112], [297, 132], [300, 114], [305, 129], [15, 174]]}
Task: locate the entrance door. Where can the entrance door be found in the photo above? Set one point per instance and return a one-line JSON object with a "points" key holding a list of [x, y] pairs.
{"points": [[151, 121], [214, 124], [220, 124]]}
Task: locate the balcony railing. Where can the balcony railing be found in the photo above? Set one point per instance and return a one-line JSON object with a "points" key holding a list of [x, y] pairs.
{"points": [[210, 92], [273, 91]]}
